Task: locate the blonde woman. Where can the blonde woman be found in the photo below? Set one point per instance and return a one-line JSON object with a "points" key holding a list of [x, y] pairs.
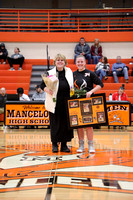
{"points": [[58, 114], [84, 79], [96, 51]]}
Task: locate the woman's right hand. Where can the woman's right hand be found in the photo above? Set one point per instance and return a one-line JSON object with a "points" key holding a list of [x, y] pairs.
{"points": [[48, 91]]}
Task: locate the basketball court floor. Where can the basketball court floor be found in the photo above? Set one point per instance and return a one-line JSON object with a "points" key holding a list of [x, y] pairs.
{"points": [[30, 171]]}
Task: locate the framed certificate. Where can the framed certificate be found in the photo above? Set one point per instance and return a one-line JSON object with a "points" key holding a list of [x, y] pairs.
{"points": [[87, 111]]}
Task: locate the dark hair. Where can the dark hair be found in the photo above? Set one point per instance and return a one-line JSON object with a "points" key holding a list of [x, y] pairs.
{"points": [[17, 49], [122, 87], [20, 90], [37, 86], [82, 38], [2, 45], [105, 60]]}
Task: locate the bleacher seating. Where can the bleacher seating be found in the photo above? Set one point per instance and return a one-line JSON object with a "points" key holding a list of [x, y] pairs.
{"points": [[11, 80], [108, 88], [113, 87]]}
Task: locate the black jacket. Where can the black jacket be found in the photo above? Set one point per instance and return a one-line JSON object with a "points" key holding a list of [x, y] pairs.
{"points": [[4, 51], [2, 100]]}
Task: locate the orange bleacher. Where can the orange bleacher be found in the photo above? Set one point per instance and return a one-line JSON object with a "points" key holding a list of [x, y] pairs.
{"points": [[11, 80], [108, 88]]}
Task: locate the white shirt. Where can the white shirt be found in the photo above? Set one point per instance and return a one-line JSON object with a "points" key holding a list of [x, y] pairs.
{"points": [[24, 97], [119, 97]]}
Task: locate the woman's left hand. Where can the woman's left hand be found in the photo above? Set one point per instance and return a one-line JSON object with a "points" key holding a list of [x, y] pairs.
{"points": [[88, 94]]}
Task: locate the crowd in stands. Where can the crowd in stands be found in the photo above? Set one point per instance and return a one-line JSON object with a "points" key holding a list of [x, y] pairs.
{"points": [[102, 68], [92, 54], [95, 52]]}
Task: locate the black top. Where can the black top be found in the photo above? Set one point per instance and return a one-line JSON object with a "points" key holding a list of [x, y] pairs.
{"points": [[85, 80], [64, 89], [2, 100], [58, 120]]}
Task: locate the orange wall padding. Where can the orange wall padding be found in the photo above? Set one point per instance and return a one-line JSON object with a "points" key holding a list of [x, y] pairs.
{"points": [[66, 37]]}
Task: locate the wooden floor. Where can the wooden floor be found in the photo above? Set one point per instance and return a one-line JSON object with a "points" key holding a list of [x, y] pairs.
{"points": [[30, 171]]}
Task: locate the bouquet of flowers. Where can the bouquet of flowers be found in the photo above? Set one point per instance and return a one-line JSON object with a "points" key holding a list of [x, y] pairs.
{"points": [[51, 83], [75, 92]]}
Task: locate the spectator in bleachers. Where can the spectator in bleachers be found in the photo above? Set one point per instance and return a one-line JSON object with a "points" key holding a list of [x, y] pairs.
{"points": [[22, 96], [102, 68], [3, 97], [96, 51], [120, 95], [39, 94], [83, 49], [16, 58], [119, 69], [3, 53]]}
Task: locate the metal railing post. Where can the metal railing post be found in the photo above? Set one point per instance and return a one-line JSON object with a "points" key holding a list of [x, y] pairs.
{"points": [[18, 22], [48, 21]]}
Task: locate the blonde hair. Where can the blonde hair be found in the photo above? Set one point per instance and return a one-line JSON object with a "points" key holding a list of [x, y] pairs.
{"points": [[96, 39], [61, 56]]}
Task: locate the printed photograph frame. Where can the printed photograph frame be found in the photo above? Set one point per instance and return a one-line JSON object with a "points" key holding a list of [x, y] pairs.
{"points": [[87, 112]]}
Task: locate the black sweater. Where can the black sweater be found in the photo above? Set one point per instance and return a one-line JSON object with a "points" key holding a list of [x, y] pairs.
{"points": [[86, 79]]}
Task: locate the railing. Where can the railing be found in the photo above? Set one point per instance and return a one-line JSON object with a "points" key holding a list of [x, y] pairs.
{"points": [[66, 20]]}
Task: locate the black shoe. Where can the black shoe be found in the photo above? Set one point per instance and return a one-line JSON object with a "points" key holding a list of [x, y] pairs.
{"points": [[54, 148], [65, 149]]}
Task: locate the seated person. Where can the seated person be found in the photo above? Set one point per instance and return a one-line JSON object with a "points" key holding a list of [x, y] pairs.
{"points": [[96, 51], [3, 97], [83, 49], [22, 96], [3, 53], [102, 68], [16, 58], [39, 94], [119, 69], [120, 95]]}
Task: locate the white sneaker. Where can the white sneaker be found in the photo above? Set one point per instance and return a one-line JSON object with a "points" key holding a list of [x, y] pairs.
{"points": [[19, 69], [81, 146], [4, 63], [91, 149], [11, 69]]}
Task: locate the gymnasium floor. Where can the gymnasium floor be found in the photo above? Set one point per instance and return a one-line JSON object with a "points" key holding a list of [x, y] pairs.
{"points": [[30, 171]]}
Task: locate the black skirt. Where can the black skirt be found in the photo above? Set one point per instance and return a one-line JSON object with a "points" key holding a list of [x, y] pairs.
{"points": [[58, 120]]}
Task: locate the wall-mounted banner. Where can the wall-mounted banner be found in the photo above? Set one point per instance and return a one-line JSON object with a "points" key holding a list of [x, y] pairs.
{"points": [[87, 111], [26, 113], [119, 113]]}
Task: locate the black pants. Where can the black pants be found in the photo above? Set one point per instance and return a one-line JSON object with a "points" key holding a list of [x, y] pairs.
{"points": [[3, 57], [12, 61]]}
